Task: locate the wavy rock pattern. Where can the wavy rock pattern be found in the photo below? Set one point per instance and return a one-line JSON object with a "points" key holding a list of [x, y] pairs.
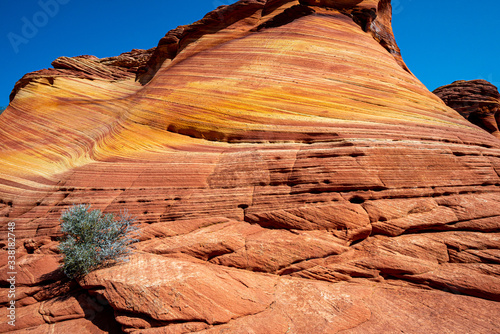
{"points": [[288, 172], [124, 66]]}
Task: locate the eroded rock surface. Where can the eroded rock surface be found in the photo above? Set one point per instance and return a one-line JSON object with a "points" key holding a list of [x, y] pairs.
{"points": [[122, 67], [288, 174], [476, 100]]}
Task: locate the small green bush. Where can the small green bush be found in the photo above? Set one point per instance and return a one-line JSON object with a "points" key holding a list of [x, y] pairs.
{"points": [[94, 240]]}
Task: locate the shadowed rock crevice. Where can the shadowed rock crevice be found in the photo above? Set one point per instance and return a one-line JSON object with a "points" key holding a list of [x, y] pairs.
{"points": [[287, 16]]}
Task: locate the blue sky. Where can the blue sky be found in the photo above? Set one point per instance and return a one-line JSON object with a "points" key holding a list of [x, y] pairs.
{"points": [[441, 41]]}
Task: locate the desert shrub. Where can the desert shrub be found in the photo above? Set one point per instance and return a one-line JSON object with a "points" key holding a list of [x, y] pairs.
{"points": [[94, 240]]}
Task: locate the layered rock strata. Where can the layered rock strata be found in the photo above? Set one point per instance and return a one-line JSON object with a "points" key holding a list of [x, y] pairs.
{"points": [[476, 100], [288, 173], [122, 67]]}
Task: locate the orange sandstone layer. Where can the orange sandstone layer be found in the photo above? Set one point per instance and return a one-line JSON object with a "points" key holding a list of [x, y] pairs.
{"points": [[287, 170]]}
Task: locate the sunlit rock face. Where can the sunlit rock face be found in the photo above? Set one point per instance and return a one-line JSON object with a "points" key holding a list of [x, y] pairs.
{"points": [[476, 100], [288, 173]]}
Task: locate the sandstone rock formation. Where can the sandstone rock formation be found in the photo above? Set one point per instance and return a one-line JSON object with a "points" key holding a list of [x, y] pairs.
{"points": [[124, 66], [476, 100], [288, 173]]}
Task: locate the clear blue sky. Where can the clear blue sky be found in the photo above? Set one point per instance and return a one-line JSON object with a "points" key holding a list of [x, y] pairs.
{"points": [[441, 40]]}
